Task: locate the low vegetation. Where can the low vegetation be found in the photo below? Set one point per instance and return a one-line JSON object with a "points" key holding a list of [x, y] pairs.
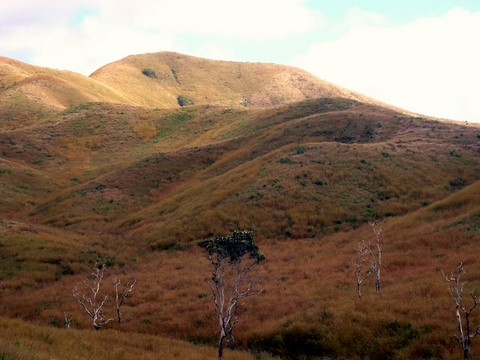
{"points": [[134, 180], [149, 73]]}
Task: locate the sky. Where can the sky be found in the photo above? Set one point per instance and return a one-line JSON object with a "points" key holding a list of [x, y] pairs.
{"points": [[420, 55]]}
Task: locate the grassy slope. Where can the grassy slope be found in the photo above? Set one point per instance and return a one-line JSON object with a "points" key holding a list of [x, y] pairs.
{"points": [[313, 291], [211, 82], [117, 181], [21, 340], [377, 157], [30, 93], [280, 165]]}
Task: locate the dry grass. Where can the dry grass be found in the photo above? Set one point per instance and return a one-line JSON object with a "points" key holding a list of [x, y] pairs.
{"points": [[211, 82], [20, 340], [135, 187], [311, 284]]}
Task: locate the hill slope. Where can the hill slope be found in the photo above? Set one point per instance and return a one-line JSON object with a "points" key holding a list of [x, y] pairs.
{"points": [[211, 82], [162, 80], [29, 93], [88, 175]]}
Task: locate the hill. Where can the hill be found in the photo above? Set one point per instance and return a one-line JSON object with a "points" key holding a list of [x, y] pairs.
{"points": [[164, 80], [115, 171], [160, 79], [30, 93]]}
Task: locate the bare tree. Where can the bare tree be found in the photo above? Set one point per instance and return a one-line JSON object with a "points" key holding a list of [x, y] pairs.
{"points": [[363, 251], [369, 253], [67, 321], [121, 294], [233, 258], [89, 299], [465, 334], [376, 255]]}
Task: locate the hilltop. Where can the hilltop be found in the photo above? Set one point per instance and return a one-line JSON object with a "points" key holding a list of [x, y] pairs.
{"points": [[29, 93], [111, 168], [161, 80]]}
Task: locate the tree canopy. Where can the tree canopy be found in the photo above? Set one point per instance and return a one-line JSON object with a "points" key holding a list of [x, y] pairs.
{"points": [[233, 247]]}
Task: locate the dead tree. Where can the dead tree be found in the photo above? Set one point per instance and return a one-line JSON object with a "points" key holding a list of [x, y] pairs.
{"points": [[363, 251], [90, 299], [369, 253], [376, 255], [67, 321], [233, 258], [462, 312], [121, 294]]}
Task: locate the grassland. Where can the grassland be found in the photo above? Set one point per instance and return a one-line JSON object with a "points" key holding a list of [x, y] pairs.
{"points": [[119, 173], [21, 340]]}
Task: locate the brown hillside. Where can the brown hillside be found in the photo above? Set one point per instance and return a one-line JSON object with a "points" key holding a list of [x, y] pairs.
{"points": [[88, 176], [29, 93], [211, 82]]}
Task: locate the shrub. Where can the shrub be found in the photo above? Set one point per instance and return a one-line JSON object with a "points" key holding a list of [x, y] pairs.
{"points": [[453, 153], [458, 183], [299, 150], [184, 100], [293, 343], [285, 160], [149, 73]]}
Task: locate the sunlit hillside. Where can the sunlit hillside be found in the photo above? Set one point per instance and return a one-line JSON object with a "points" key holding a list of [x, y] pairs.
{"points": [[112, 169], [31, 93], [160, 79]]}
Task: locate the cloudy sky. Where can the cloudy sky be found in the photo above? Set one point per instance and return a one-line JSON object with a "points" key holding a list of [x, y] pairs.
{"points": [[422, 55]]}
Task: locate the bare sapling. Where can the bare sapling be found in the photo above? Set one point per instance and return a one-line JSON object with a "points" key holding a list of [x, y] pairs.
{"points": [[233, 258], [90, 300], [121, 294], [462, 312], [361, 275], [369, 255], [376, 256], [67, 321]]}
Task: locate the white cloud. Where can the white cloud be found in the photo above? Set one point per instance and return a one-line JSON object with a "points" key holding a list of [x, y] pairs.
{"points": [[247, 19], [82, 50], [82, 35], [428, 66], [214, 52], [27, 12]]}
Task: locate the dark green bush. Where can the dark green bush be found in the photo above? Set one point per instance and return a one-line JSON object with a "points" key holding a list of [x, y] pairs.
{"points": [[293, 343], [184, 100], [299, 150], [378, 340], [458, 183], [285, 161], [149, 73]]}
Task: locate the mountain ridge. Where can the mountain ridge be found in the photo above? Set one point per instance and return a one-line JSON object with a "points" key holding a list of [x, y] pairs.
{"points": [[201, 81]]}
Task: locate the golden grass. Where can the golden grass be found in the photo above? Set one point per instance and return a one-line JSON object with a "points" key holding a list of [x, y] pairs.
{"points": [[31, 93], [310, 282], [211, 82], [136, 187], [21, 340]]}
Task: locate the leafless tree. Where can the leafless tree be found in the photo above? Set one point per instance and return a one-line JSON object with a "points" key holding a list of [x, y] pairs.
{"points": [[462, 312], [90, 299], [363, 251], [376, 255], [370, 254], [233, 258], [121, 294], [67, 321]]}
